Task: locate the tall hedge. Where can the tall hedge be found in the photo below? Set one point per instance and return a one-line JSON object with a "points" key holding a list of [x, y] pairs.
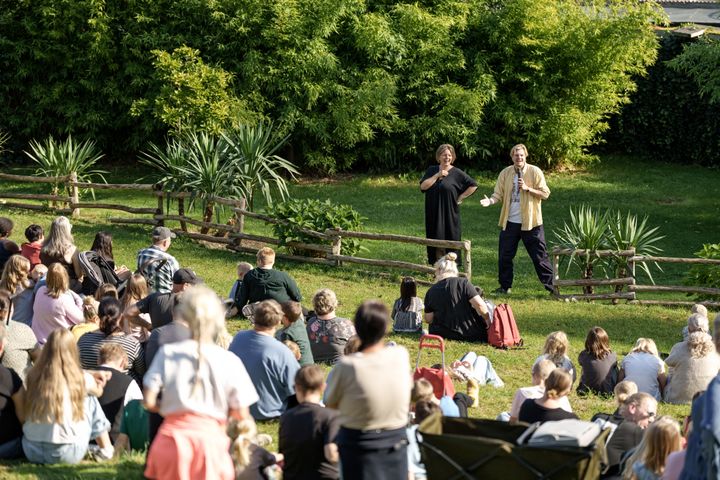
{"points": [[673, 116], [358, 83]]}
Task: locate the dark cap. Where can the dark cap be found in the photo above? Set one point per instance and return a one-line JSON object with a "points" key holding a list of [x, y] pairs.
{"points": [[185, 275], [161, 233]]}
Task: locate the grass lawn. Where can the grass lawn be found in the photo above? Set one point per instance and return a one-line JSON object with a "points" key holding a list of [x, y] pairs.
{"points": [[678, 199]]}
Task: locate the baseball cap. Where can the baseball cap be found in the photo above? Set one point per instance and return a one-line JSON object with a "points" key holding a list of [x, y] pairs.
{"points": [[185, 275], [161, 233]]}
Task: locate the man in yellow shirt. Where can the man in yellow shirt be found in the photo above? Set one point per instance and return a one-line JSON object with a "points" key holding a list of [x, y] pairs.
{"points": [[521, 188]]}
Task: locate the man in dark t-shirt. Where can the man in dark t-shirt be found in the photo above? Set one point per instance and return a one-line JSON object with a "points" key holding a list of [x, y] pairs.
{"points": [[11, 394], [449, 305], [160, 305], [308, 431]]}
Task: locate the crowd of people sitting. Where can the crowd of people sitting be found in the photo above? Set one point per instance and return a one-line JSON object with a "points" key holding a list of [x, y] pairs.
{"points": [[98, 359]]}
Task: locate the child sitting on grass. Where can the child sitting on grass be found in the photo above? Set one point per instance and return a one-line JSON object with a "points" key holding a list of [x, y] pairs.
{"points": [[407, 310], [242, 269], [31, 248], [295, 331], [598, 363], [644, 367], [92, 319], [555, 350], [293, 348], [252, 462]]}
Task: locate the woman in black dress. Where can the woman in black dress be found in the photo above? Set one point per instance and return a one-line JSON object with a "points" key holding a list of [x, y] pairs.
{"points": [[445, 187]]}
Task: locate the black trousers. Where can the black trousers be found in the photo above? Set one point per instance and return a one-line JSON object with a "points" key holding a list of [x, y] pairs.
{"points": [[534, 241], [373, 455]]}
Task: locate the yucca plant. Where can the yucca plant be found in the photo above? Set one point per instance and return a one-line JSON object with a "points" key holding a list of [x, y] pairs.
{"points": [[4, 139], [210, 171], [253, 149], [59, 159], [626, 232], [586, 230], [168, 162]]}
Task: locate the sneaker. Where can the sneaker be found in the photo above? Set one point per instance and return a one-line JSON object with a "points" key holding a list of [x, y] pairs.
{"points": [[502, 291]]}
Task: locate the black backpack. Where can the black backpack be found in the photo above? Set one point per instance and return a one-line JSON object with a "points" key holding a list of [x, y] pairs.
{"points": [[96, 271]]}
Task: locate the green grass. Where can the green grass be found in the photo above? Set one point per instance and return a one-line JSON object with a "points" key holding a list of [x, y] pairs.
{"points": [[678, 199]]}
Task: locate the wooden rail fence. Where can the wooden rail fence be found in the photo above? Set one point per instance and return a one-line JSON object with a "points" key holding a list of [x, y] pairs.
{"points": [[327, 250], [630, 282]]}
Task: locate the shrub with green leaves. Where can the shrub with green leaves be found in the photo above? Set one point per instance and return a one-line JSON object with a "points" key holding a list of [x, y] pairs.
{"points": [[313, 214], [61, 158], [705, 275]]}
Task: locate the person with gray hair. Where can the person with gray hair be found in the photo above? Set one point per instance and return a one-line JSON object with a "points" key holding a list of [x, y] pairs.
{"points": [[59, 246], [703, 448], [639, 412], [449, 305], [202, 386], [327, 332], [155, 264]]}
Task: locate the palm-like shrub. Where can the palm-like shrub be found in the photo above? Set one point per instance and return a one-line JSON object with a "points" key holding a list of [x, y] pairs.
{"points": [[253, 148], [586, 230], [627, 232], [4, 139], [59, 159]]}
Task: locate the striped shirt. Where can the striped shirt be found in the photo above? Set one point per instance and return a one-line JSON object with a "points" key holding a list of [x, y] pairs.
{"points": [[157, 272], [90, 343]]}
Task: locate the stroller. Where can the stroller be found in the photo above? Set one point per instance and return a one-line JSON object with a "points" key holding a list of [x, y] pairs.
{"points": [[97, 271], [467, 449]]}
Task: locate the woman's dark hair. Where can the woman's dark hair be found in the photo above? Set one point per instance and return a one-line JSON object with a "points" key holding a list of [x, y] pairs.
{"points": [[371, 321], [5, 304], [597, 343], [408, 290], [110, 313], [6, 226], [102, 245]]}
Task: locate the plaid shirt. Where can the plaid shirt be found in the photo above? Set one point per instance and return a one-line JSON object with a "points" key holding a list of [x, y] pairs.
{"points": [[159, 277]]}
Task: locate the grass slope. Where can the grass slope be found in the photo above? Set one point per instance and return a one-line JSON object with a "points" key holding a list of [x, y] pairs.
{"points": [[678, 199]]}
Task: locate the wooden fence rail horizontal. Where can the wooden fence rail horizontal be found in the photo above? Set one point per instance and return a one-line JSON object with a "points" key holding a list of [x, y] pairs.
{"points": [[115, 186], [671, 303], [431, 242], [35, 196], [593, 253], [673, 288], [31, 179], [268, 219], [703, 261], [584, 282], [39, 208], [113, 206]]}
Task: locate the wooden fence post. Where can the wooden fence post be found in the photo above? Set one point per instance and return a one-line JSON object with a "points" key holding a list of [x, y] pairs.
{"points": [[336, 248], [160, 199], [241, 216], [556, 273], [467, 263], [74, 195]]}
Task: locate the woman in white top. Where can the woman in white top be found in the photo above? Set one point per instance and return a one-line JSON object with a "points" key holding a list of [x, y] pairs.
{"points": [[644, 367], [202, 386], [60, 417]]}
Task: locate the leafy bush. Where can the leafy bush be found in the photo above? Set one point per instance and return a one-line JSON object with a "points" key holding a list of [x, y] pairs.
{"points": [[59, 159], [705, 275], [701, 62], [312, 214]]}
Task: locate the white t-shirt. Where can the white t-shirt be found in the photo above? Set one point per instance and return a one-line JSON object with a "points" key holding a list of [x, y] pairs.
{"points": [[224, 382], [536, 391], [515, 214], [643, 369]]}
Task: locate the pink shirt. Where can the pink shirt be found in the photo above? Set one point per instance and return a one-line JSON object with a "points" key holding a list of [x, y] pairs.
{"points": [[52, 313]]}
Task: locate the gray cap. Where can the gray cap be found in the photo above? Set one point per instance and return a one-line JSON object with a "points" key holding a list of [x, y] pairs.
{"points": [[161, 233]]}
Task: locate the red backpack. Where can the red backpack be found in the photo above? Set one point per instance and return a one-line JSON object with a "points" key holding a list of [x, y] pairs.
{"points": [[503, 331]]}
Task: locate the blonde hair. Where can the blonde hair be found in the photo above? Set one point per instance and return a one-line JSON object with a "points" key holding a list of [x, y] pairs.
{"points": [[517, 147], [90, 310], [106, 290], [558, 383], [243, 267], [294, 348], [56, 373], [324, 301], [700, 345], [623, 391], [661, 438], [699, 308], [556, 347], [422, 390], [200, 307], [15, 274], [446, 267], [645, 345], [242, 433], [135, 290], [59, 241], [265, 256], [57, 280], [542, 369]]}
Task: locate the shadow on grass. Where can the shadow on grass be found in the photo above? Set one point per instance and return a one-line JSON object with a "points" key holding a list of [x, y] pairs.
{"points": [[128, 468]]}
